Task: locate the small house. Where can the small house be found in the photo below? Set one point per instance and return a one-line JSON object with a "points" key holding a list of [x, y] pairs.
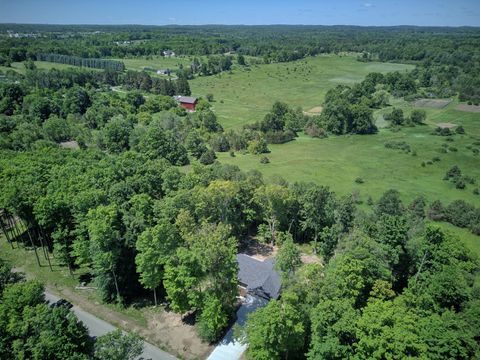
{"points": [[187, 102], [163, 71], [168, 53], [258, 277]]}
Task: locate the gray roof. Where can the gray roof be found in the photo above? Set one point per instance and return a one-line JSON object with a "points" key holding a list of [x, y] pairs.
{"points": [[259, 277], [187, 99]]}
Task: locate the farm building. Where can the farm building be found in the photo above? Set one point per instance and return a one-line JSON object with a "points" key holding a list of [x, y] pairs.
{"points": [[163, 71], [258, 277], [187, 102], [168, 53]]}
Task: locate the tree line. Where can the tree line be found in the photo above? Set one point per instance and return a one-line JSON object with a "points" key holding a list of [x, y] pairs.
{"points": [[83, 62], [446, 59]]}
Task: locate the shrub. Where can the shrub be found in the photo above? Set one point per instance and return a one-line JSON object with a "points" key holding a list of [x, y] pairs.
{"points": [[232, 153], [429, 162], [476, 191], [359, 180], [460, 130], [414, 153], [435, 159], [442, 150], [209, 97], [314, 131], [219, 143], [418, 116], [256, 147], [449, 139], [469, 179], [436, 211], [208, 157], [459, 213], [264, 160], [460, 184], [442, 131], [395, 117], [454, 172], [423, 164], [452, 149], [398, 145]]}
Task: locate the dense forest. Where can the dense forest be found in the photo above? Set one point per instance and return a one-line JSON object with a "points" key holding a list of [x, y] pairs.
{"points": [[448, 58], [93, 173]]}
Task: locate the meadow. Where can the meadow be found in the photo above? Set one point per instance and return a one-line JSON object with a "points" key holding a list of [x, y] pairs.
{"points": [[337, 161], [158, 62], [46, 65], [245, 94]]}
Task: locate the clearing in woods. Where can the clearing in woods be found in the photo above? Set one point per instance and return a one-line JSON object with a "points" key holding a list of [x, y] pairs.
{"points": [[337, 161], [155, 62], [247, 93], [317, 110]]}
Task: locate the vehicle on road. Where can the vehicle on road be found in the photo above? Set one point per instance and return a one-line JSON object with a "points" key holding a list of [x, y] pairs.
{"points": [[61, 302]]}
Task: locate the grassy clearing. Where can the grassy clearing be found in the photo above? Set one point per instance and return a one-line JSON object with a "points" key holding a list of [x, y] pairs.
{"points": [[246, 94], [338, 160], [24, 260], [19, 67], [158, 62]]}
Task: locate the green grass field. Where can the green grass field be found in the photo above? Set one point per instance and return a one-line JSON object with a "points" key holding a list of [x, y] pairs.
{"points": [[338, 160], [246, 94], [158, 62], [20, 67]]}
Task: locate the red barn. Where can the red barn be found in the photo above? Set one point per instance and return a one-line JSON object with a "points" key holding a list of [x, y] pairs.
{"points": [[187, 102]]}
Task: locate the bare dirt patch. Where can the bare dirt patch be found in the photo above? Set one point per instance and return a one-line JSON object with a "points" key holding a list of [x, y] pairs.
{"points": [[446, 125], [317, 110], [310, 259], [69, 145], [469, 108], [258, 250], [432, 103], [168, 328]]}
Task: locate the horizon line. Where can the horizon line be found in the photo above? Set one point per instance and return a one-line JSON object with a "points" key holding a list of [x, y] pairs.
{"points": [[219, 24]]}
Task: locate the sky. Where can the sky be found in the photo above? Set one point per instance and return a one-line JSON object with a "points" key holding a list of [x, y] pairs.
{"points": [[249, 12]]}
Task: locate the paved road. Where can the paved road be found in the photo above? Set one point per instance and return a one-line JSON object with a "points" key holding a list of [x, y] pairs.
{"points": [[98, 327]]}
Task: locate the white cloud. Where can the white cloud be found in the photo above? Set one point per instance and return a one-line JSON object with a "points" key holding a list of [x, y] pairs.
{"points": [[367, 5]]}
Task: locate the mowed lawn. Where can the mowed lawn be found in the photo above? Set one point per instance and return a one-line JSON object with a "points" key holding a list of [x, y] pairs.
{"points": [[246, 94], [156, 62], [338, 160]]}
